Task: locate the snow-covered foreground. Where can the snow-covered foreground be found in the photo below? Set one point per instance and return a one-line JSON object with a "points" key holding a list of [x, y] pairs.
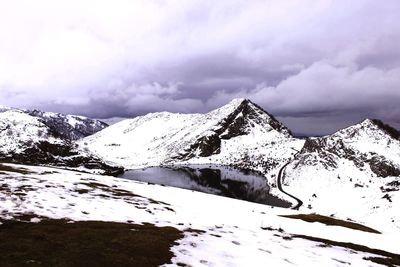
{"points": [[360, 196], [219, 231]]}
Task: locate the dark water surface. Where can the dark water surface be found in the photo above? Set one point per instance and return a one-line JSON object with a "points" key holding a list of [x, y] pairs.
{"points": [[212, 179]]}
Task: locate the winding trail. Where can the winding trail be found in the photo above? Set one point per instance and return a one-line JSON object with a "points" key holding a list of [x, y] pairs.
{"points": [[279, 183]]}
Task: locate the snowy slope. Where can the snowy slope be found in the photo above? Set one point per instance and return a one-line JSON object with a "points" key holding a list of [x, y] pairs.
{"points": [[354, 173], [369, 145], [20, 131], [4, 108], [28, 139], [72, 127], [225, 135], [218, 231]]}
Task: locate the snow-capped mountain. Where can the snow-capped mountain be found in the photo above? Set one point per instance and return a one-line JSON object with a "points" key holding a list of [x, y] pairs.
{"points": [[31, 139], [356, 170], [369, 145], [223, 136], [20, 131], [361, 162], [71, 127], [349, 176]]}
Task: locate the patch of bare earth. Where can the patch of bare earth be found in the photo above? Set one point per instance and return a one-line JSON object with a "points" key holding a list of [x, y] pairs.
{"points": [[6, 168], [60, 243], [331, 221], [382, 257]]}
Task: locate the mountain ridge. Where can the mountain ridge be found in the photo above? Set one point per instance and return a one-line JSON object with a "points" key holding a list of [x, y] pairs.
{"points": [[29, 139], [361, 162], [71, 127], [182, 137]]}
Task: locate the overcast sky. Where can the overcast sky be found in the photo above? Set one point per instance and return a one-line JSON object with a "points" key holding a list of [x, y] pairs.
{"points": [[318, 65]]}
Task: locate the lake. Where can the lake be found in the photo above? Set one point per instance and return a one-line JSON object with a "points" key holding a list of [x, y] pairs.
{"points": [[213, 179]]}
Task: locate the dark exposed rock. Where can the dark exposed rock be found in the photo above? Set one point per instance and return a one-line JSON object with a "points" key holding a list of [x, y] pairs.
{"points": [[388, 129], [312, 145], [51, 141], [391, 187], [62, 155], [319, 146], [208, 145], [327, 150], [387, 196], [240, 122], [73, 131], [243, 119], [395, 184], [381, 167]]}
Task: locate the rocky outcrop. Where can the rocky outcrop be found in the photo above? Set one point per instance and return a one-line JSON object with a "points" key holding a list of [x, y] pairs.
{"points": [[382, 167], [239, 122], [207, 145], [246, 116], [392, 132], [360, 144]]}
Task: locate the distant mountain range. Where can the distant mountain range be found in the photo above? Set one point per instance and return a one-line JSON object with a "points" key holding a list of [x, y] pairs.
{"points": [[240, 133], [35, 137]]}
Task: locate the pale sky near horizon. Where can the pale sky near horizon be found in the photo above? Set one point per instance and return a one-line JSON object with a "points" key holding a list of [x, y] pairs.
{"points": [[318, 65]]}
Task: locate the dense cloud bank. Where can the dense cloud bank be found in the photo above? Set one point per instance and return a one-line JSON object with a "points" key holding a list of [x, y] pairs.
{"points": [[318, 65]]}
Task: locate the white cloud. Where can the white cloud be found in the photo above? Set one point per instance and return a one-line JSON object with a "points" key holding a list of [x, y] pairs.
{"points": [[326, 88]]}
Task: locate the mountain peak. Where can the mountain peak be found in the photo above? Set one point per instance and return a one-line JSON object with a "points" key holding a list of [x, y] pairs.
{"points": [[241, 113], [375, 124], [158, 139], [369, 127], [239, 101], [386, 128]]}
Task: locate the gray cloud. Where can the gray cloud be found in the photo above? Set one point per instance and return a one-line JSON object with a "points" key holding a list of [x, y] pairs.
{"points": [[318, 65]]}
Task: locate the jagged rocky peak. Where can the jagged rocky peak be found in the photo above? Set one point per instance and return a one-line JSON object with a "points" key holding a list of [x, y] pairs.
{"points": [[368, 143], [370, 131], [167, 138], [243, 116], [372, 128], [238, 118], [392, 132]]}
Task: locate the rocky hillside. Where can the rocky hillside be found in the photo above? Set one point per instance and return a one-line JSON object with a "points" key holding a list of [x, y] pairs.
{"points": [[370, 145], [354, 172], [69, 126], [32, 140], [240, 129]]}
